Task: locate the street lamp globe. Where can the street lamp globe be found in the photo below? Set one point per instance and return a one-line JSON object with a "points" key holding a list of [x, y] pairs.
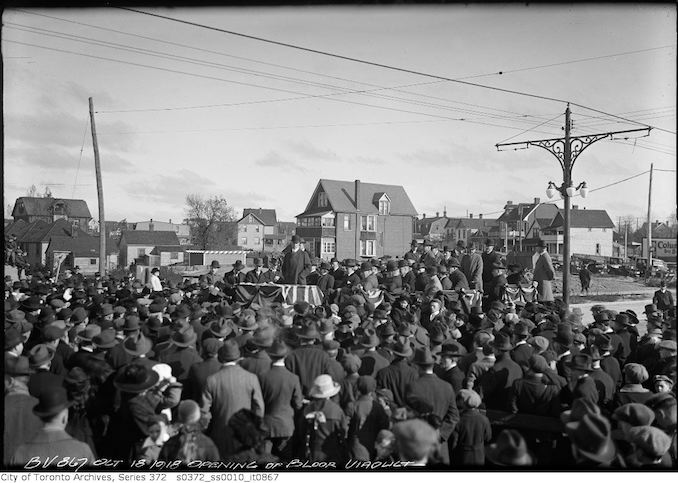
{"points": [[584, 190], [571, 191], [551, 190]]}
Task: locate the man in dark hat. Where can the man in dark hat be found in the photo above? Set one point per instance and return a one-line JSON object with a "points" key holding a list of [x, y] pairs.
{"points": [[531, 395], [234, 277], [393, 282], [326, 281], [296, 263], [257, 274], [20, 422], [52, 440], [211, 276], [490, 258], [338, 273], [226, 392], [200, 371], [456, 276], [256, 359], [307, 361], [413, 253], [281, 391], [495, 285], [368, 280], [544, 273], [399, 374], [663, 298], [448, 369], [181, 353], [580, 384], [372, 361], [352, 278], [472, 267], [497, 382], [436, 393], [407, 275]]}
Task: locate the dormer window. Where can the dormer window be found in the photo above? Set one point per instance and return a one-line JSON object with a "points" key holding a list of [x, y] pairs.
{"points": [[322, 199], [384, 205]]}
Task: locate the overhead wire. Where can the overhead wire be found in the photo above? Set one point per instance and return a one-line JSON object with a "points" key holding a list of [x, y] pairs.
{"points": [[381, 65], [82, 148]]}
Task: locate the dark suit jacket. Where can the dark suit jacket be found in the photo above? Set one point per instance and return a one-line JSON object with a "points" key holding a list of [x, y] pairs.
{"points": [[472, 267], [521, 354], [498, 381], [263, 277], [454, 377], [605, 385], [372, 362], [396, 378], [326, 284], [20, 422], [307, 362], [43, 382], [258, 363], [117, 357], [532, 396], [584, 388], [440, 396], [47, 444], [180, 359], [197, 377], [488, 260], [467, 444], [611, 366], [281, 391]]}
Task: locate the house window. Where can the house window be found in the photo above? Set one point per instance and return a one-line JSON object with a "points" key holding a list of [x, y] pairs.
{"points": [[243, 241], [242, 228], [384, 206], [93, 261], [256, 229], [329, 247], [328, 222], [347, 223], [257, 240], [597, 248], [368, 223], [322, 199], [367, 248]]}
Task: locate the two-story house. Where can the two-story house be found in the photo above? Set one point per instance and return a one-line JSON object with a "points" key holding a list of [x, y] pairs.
{"points": [[254, 225], [345, 219], [49, 210], [524, 223], [591, 233], [136, 243], [182, 230]]}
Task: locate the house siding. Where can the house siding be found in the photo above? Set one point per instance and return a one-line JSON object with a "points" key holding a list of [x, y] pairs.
{"points": [[345, 238], [252, 232]]}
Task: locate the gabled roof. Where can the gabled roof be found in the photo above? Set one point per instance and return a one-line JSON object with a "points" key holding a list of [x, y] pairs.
{"points": [[341, 197], [41, 231], [513, 214], [153, 238], [584, 219], [26, 205], [477, 223], [16, 228], [167, 248], [266, 216]]}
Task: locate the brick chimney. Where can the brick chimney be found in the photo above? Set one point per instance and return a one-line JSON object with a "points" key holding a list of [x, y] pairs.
{"points": [[575, 207], [536, 201], [150, 225], [423, 216], [357, 192], [480, 216], [437, 214], [445, 212], [470, 215], [509, 203]]}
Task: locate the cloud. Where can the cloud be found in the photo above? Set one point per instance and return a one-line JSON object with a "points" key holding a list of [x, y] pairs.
{"points": [[273, 159], [306, 150]]}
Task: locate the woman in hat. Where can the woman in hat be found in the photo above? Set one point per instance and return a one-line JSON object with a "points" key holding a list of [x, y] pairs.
{"points": [[324, 426], [189, 444]]}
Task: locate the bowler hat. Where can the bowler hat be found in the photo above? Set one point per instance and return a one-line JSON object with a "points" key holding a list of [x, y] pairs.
{"points": [[105, 340], [296, 239], [136, 378], [229, 351], [391, 266], [423, 357], [581, 362], [510, 449], [541, 243], [502, 342], [215, 264], [40, 354], [324, 387], [137, 345], [365, 266], [258, 262], [591, 437], [52, 402]]}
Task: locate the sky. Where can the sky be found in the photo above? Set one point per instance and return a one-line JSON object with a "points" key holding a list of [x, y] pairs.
{"points": [[182, 109]]}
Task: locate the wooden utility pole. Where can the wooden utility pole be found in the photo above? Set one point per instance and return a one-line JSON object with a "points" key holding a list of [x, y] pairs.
{"points": [[100, 193], [649, 224]]}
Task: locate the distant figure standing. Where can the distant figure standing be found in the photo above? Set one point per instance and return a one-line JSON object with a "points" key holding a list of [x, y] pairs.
{"points": [[585, 279], [296, 264], [544, 273], [663, 298]]}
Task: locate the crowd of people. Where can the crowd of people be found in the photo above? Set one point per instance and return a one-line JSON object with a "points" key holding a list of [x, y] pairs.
{"points": [[97, 367]]}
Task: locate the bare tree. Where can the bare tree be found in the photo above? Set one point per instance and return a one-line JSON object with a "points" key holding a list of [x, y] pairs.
{"points": [[204, 215], [32, 192]]}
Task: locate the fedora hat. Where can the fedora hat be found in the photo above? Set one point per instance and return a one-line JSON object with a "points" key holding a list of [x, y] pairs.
{"points": [[131, 324], [423, 357], [369, 339], [51, 402], [581, 362], [182, 311], [184, 337], [580, 407], [262, 338], [229, 351], [18, 366], [247, 320], [452, 349], [40, 354], [386, 330], [401, 350], [32, 303], [510, 449], [15, 317], [12, 338], [324, 387], [603, 342], [591, 437], [278, 349], [136, 378], [137, 345], [105, 340], [215, 264], [220, 328], [502, 342], [238, 265], [541, 243], [89, 332]]}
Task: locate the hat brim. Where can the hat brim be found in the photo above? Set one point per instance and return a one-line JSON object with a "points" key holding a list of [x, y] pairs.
{"points": [[402, 354], [145, 349], [151, 381], [325, 395], [43, 413], [492, 455], [185, 343], [108, 345], [605, 455]]}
